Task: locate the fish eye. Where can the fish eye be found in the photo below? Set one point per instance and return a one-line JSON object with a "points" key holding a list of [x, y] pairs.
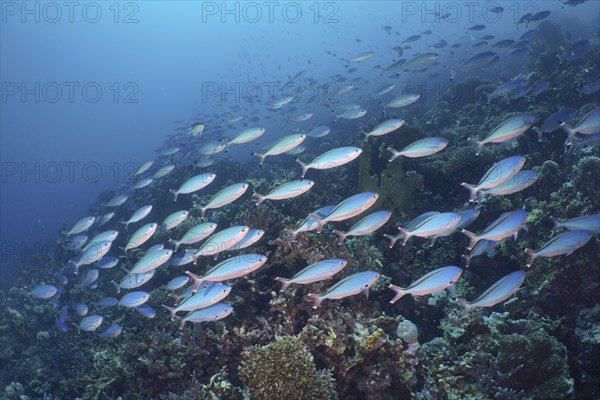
{"points": [[367, 285]]}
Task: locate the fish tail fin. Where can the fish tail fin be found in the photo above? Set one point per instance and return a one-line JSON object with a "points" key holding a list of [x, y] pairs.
{"points": [[197, 280], [181, 322], [472, 237], [452, 73], [284, 283], [479, 145], [395, 153], [400, 292], [472, 191], [320, 222], [464, 304], [406, 234], [539, 133], [569, 129], [467, 260], [259, 198], [304, 168], [341, 236], [392, 239], [171, 311], [202, 212], [291, 232], [531, 256], [557, 223], [261, 158], [175, 244], [174, 194], [315, 299], [117, 286]]}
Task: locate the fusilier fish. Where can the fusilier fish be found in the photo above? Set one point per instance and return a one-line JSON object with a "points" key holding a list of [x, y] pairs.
{"points": [[434, 225], [90, 323], [151, 261], [359, 57], [170, 151], [142, 183], [144, 167], [43, 291], [221, 241], [117, 201], [474, 62], [589, 123], [420, 148], [319, 131], [349, 286], [286, 190], [564, 243], [105, 218], [483, 246], [141, 236], [386, 127], [81, 226], [211, 148], [590, 223], [497, 174], [213, 313], [132, 281], [225, 196], [107, 262], [195, 234], [353, 113], [368, 224], [247, 135], [146, 310], [521, 181], [113, 331], [92, 254], [508, 224], [194, 184], [76, 242], [196, 129], [178, 282], [140, 214], [331, 159], [348, 208], [281, 146], [429, 283], [251, 237], [174, 219], [507, 130], [496, 293], [422, 60], [163, 171], [316, 272], [205, 297], [309, 223], [403, 101], [231, 268], [109, 236], [413, 223], [134, 299]]}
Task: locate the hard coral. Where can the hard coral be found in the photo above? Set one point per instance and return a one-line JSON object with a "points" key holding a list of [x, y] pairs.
{"points": [[284, 370]]}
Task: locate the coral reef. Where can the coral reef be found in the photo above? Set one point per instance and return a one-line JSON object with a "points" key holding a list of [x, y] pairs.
{"points": [[282, 370]]}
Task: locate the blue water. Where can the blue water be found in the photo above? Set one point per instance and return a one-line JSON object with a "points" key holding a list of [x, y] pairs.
{"points": [[158, 62]]}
